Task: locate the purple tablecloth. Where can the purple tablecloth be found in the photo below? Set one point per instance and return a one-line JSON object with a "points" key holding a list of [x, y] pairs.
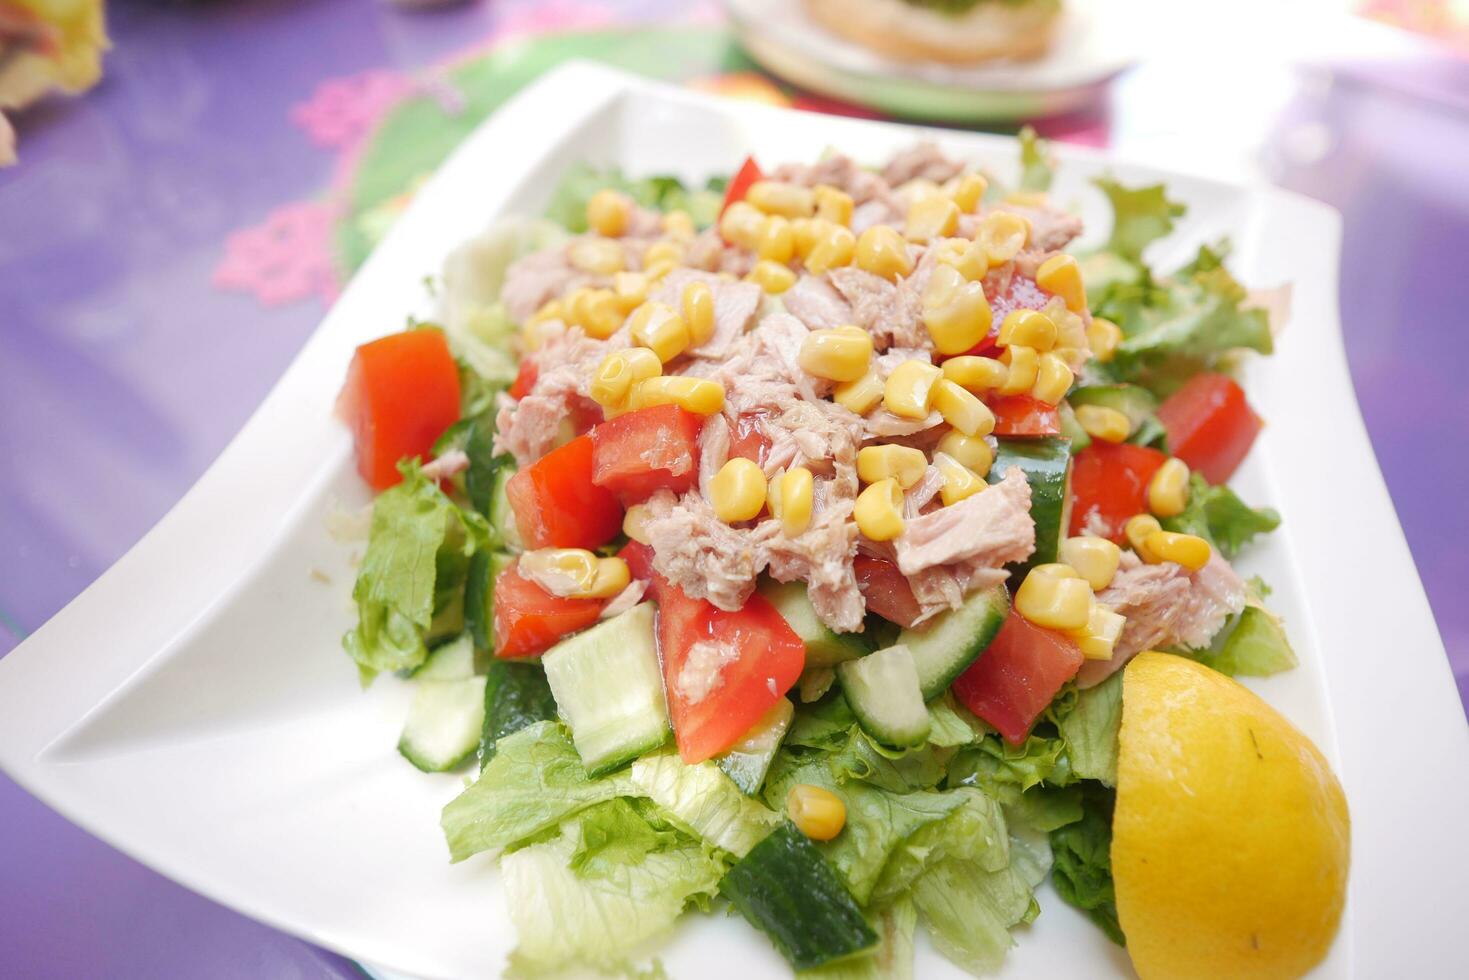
{"points": [[123, 372]]}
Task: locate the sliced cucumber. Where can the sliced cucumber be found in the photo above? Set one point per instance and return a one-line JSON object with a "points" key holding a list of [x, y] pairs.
{"points": [[1046, 464], [785, 888], [749, 760], [482, 475], [946, 645], [516, 696], [609, 689], [1134, 401], [883, 691], [479, 595], [448, 709], [824, 646], [501, 517], [703, 800]]}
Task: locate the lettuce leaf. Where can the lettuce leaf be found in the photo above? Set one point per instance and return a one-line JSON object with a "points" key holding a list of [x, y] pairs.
{"points": [[1090, 731], [1037, 169], [568, 207], [703, 800], [417, 551], [1005, 771], [614, 833], [1140, 216], [1045, 808], [1254, 644], [534, 781], [1082, 874], [1217, 515]]}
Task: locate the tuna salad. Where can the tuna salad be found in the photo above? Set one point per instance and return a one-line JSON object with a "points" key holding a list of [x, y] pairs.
{"points": [[776, 543]]}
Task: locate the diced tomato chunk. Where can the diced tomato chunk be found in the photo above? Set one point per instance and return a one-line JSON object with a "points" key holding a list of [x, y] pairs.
{"points": [[639, 558], [722, 670], [1022, 415], [886, 590], [529, 620], [651, 449], [739, 185], [1111, 481], [401, 393], [525, 379], [557, 505], [1018, 676], [747, 438], [1210, 425]]}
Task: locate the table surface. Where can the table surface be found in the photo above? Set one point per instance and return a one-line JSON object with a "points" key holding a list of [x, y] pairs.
{"points": [[145, 320]]}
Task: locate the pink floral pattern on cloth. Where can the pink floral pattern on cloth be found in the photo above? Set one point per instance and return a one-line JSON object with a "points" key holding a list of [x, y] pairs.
{"points": [[343, 111], [285, 259]]}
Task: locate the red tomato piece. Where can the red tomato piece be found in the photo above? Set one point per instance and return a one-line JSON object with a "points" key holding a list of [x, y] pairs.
{"points": [[1210, 425], [1022, 415], [639, 558], [557, 505], [748, 438], [530, 620], [739, 185], [1111, 481], [525, 379], [401, 393], [1017, 676], [651, 449], [722, 670], [886, 590]]}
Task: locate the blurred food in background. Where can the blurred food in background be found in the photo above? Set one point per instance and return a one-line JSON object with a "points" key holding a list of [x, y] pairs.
{"points": [[957, 32], [46, 44]]}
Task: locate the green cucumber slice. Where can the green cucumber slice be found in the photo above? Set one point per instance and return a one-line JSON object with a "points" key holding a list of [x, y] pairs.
{"points": [[824, 646], [944, 647], [883, 691], [447, 712], [785, 888], [516, 696], [1134, 401], [1046, 464], [609, 689], [479, 595], [749, 760], [453, 661]]}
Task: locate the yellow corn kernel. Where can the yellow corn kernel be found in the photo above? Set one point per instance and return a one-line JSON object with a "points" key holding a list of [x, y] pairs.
{"points": [[969, 192], [664, 251], [883, 252], [1137, 530], [678, 223], [741, 224], [772, 277], [908, 391], [779, 197], [818, 813], [777, 241], [697, 303], [973, 453], [657, 327], [613, 576], [978, 374], [1023, 365], [614, 378], [860, 396], [843, 354], [598, 312], [832, 248], [1028, 328], [1055, 569], [960, 482], [962, 410], [1052, 379], [931, 217], [805, 231], [790, 499], [608, 213], [969, 258], [833, 204], [1095, 559], [1102, 337], [698, 395], [596, 256], [657, 270], [955, 310], [535, 333], [737, 491], [551, 310], [566, 572], [1188, 550], [1061, 276], [1101, 422], [1053, 600], [1168, 489], [1028, 199], [1099, 636], [635, 523], [902, 463], [630, 288], [879, 510], [1003, 234]]}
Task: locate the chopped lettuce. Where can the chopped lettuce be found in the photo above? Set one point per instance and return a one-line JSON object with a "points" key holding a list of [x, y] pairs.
{"points": [[575, 906], [703, 800], [1082, 873], [1004, 771], [1216, 514], [1090, 730], [1254, 644], [534, 781], [1140, 216], [894, 770], [951, 724], [1037, 169], [568, 207], [417, 552]]}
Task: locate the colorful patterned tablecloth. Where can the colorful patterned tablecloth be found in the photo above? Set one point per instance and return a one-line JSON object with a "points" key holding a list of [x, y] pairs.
{"points": [[168, 243]]}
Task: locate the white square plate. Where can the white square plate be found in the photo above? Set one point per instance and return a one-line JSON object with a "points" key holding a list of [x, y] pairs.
{"points": [[195, 709]]}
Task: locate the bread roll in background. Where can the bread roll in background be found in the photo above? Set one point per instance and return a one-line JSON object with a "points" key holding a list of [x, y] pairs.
{"points": [[955, 32]]}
